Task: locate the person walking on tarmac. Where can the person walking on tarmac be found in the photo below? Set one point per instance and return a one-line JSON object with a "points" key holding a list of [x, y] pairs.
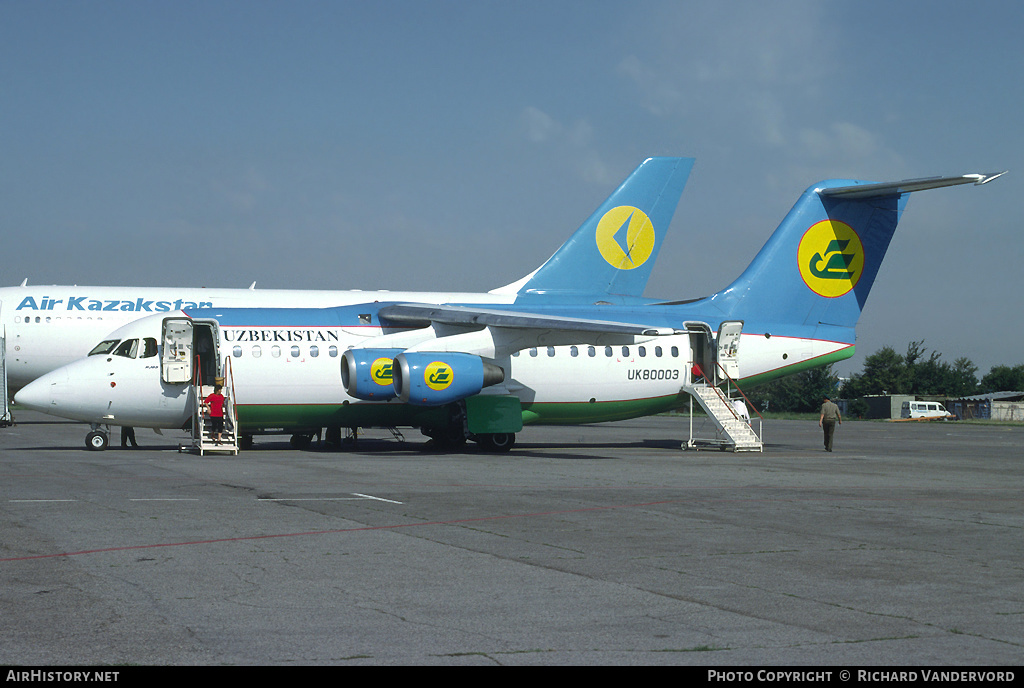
{"points": [[128, 436], [215, 403], [827, 421]]}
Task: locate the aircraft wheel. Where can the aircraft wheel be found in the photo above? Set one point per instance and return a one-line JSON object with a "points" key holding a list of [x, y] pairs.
{"points": [[498, 442], [300, 441], [96, 441]]}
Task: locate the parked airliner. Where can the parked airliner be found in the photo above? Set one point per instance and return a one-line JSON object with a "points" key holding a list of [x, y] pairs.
{"points": [[482, 370], [46, 327]]}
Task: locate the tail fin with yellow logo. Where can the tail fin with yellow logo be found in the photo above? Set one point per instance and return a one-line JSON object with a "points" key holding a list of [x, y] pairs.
{"points": [[819, 265], [610, 257]]}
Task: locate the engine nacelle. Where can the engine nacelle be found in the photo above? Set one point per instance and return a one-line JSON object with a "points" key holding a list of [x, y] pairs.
{"points": [[429, 378], [367, 373]]}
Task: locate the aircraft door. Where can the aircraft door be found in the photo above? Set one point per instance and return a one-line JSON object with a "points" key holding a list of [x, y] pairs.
{"points": [[176, 361], [729, 347], [5, 410]]}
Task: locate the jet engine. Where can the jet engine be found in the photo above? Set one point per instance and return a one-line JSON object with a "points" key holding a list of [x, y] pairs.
{"points": [[429, 378], [366, 373]]}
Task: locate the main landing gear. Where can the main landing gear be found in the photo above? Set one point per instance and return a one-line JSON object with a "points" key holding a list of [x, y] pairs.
{"points": [[496, 443]]}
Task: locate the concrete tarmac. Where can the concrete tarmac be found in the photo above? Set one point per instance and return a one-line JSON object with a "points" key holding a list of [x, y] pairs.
{"points": [[591, 545]]}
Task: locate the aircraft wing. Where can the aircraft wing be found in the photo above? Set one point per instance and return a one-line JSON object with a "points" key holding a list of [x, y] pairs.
{"points": [[465, 316]]}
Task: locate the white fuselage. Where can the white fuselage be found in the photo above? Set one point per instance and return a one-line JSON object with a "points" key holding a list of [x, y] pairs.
{"points": [[292, 378], [46, 327]]}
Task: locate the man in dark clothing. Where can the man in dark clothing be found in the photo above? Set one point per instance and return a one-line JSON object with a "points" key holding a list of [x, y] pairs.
{"points": [[128, 436], [827, 421]]}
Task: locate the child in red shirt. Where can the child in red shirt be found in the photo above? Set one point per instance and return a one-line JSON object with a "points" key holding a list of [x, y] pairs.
{"points": [[215, 403]]}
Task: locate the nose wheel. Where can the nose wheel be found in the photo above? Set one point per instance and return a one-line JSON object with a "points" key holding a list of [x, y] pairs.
{"points": [[97, 440]]}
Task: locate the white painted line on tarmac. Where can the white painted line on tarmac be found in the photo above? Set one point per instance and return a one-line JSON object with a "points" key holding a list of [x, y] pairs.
{"points": [[39, 501], [354, 498], [379, 499]]}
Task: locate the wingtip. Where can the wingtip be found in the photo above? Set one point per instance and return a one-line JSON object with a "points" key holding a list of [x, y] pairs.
{"points": [[986, 178]]}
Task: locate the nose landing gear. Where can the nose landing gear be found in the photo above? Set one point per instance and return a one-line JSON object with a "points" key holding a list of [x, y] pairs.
{"points": [[97, 440]]}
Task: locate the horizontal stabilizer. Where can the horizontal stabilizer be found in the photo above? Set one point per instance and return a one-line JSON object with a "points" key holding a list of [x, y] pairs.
{"points": [[907, 186], [483, 317]]}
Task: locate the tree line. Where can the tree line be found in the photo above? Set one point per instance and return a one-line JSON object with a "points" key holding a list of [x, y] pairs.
{"points": [[916, 372]]}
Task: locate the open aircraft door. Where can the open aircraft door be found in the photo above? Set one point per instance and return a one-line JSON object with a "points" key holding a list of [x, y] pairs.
{"points": [[729, 348], [176, 361], [5, 410]]}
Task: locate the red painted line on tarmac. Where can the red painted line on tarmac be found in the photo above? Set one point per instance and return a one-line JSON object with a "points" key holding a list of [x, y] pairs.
{"points": [[330, 532]]}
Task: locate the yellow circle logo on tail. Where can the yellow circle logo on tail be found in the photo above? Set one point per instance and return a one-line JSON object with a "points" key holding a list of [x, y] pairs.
{"points": [[625, 237], [438, 375], [381, 371], [831, 258]]}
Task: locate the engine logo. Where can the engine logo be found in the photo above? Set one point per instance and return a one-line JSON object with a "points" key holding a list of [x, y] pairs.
{"points": [[438, 375], [380, 371], [625, 237], [831, 258]]}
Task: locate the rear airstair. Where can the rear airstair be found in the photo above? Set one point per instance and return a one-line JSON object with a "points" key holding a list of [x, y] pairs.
{"points": [[728, 410], [202, 436], [734, 433]]}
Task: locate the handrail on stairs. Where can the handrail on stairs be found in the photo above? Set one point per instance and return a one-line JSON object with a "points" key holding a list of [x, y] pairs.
{"points": [[750, 404]]}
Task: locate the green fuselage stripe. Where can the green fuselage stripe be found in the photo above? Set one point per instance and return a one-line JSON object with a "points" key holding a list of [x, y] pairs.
{"points": [[396, 414]]}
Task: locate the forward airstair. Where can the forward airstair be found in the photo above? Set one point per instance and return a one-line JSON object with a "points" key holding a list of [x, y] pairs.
{"points": [[5, 411], [202, 435]]}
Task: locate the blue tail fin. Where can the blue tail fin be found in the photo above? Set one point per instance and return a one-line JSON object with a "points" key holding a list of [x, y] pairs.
{"points": [[817, 268], [611, 255]]}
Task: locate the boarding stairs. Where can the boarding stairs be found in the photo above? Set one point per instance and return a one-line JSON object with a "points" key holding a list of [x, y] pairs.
{"points": [[202, 435], [733, 432], [5, 411]]}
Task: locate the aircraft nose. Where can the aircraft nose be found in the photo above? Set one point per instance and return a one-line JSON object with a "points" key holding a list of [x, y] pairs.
{"points": [[38, 394]]}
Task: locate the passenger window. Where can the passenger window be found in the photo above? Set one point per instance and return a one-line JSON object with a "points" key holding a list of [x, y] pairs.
{"points": [[551, 351], [275, 351], [574, 351], [515, 354], [608, 351], [591, 351], [675, 352], [256, 351], [295, 352], [314, 351], [657, 351], [333, 351], [237, 351], [642, 351], [625, 351], [533, 351]]}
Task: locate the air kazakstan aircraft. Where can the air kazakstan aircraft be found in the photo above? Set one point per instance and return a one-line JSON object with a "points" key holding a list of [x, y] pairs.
{"points": [[46, 327]]}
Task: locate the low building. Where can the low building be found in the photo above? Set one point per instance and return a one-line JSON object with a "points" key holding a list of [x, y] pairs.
{"points": [[1001, 406]]}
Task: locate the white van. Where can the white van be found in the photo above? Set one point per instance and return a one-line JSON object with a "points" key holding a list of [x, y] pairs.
{"points": [[923, 409]]}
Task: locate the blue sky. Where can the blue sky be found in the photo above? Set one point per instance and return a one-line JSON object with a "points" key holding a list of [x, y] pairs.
{"points": [[454, 145]]}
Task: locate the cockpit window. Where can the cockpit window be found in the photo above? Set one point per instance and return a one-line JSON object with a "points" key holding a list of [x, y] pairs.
{"points": [[104, 347], [129, 348], [148, 347]]}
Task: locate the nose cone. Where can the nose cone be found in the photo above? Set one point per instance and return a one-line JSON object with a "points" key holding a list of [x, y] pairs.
{"points": [[74, 391], [38, 394]]}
